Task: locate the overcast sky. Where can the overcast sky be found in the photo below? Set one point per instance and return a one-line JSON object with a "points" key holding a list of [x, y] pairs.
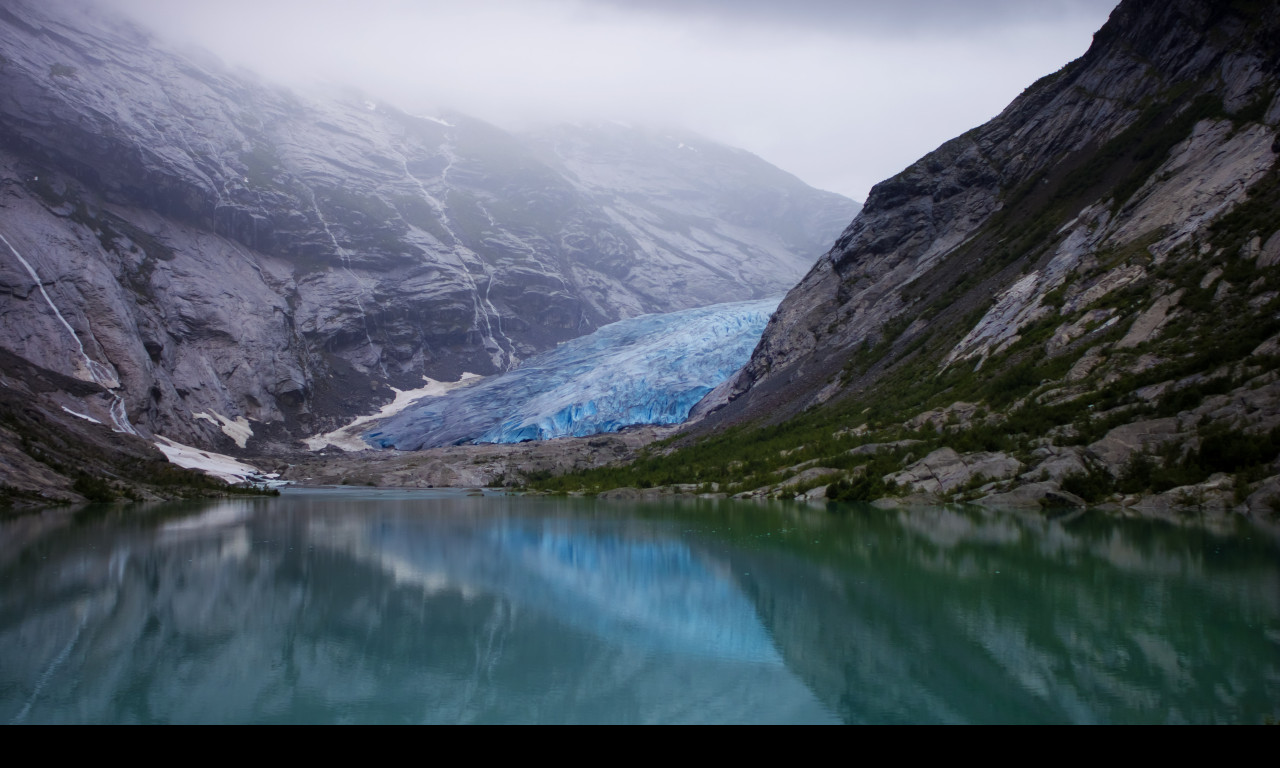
{"points": [[841, 93]]}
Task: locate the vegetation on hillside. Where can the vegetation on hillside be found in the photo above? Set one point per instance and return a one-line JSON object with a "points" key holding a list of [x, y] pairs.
{"points": [[1024, 398]]}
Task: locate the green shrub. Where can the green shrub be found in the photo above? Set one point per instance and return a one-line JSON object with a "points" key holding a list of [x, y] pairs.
{"points": [[866, 487], [94, 488], [1093, 485]]}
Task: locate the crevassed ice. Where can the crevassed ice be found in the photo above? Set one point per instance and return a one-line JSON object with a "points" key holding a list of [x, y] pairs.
{"points": [[646, 370]]}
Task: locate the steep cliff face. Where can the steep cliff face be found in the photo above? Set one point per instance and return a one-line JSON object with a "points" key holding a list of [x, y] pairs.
{"points": [[1078, 301], [1098, 177], [228, 258], [711, 218]]}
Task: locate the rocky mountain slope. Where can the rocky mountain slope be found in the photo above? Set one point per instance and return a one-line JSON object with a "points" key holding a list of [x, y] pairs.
{"points": [[225, 261], [1079, 296]]}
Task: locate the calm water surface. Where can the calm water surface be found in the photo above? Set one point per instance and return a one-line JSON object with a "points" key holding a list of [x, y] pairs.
{"points": [[419, 606]]}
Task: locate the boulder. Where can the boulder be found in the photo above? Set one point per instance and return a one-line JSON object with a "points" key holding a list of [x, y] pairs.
{"points": [[1264, 502], [805, 477], [910, 500], [1056, 462], [815, 494], [871, 448], [1115, 448], [1029, 496], [1150, 322], [944, 470], [1269, 256]]}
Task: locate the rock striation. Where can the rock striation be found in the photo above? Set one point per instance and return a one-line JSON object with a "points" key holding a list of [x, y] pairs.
{"points": [[240, 264], [1080, 296], [1117, 163]]}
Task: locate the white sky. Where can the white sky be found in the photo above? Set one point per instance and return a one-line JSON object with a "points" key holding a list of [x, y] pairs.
{"points": [[842, 93]]}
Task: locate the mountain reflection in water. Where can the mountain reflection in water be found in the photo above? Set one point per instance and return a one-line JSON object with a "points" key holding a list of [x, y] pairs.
{"points": [[392, 606]]}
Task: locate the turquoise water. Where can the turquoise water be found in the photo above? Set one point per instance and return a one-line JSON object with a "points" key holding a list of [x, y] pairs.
{"points": [[434, 606]]}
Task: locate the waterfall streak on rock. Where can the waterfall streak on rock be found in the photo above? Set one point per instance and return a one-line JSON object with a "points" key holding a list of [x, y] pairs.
{"points": [[483, 310], [346, 265], [98, 373]]}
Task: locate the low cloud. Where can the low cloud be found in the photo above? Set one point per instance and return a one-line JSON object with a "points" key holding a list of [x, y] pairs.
{"points": [[841, 94]]}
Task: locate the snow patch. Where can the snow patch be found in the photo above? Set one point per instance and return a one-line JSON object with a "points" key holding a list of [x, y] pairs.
{"points": [[84, 416], [238, 430], [220, 466], [348, 438], [443, 122]]}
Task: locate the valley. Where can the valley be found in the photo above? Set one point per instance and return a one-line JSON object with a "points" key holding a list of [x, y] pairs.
{"points": [[316, 407], [1072, 305]]}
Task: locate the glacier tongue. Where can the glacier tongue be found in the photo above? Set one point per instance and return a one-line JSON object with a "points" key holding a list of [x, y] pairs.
{"points": [[650, 369]]}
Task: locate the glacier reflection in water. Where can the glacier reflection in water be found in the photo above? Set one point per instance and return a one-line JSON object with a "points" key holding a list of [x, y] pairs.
{"points": [[398, 607], [403, 606], [646, 370]]}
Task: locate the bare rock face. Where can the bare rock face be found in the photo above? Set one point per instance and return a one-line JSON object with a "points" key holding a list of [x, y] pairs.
{"points": [[211, 248], [944, 470], [1125, 440], [1041, 495], [1089, 282], [1149, 322], [1059, 203]]}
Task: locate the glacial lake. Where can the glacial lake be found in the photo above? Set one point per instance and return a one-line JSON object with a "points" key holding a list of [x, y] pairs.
{"points": [[353, 606]]}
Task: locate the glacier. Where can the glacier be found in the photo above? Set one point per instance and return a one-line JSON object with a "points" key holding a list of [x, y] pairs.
{"points": [[650, 369]]}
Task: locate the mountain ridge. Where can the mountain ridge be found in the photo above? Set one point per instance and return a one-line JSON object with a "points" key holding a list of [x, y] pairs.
{"points": [[236, 266], [367, 247], [925, 214]]}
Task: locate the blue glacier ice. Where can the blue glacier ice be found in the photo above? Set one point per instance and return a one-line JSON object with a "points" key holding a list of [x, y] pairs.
{"points": [[650, 369]]}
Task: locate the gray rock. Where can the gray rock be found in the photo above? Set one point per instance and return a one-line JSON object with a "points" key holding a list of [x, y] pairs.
{"points": [[1033, 496], [872, 448], [220, 246], [1056, 462], [1028, 496], [1149, 323], [814, 494], [1115, 448], [807, 476], [1214, 497], [1085, 365], [908, 500], [944, 470], [621, 493], [1264, 502], [958, 413], [1269, 256], [1063, 499]]}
